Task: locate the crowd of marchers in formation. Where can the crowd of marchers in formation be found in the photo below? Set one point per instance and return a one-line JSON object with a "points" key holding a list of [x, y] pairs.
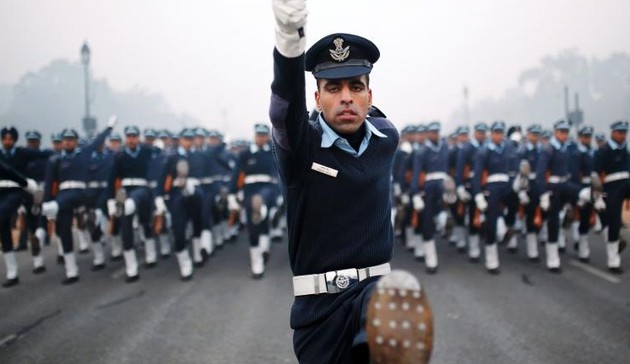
{"points": [[155, 193], [503, 184], [136, 197]]}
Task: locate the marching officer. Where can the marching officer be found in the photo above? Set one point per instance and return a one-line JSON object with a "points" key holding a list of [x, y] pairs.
{"points": [[458, 208], [256, 175], [427, 187], [530, 152], [492, 188], [129, 195], [556, 188], [66, 183], [463, 180], [161, 223], [14, 161], [613, 166], [402, 169]]}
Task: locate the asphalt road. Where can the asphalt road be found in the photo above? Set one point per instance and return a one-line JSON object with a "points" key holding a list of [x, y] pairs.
{"points": [[523, 315]]}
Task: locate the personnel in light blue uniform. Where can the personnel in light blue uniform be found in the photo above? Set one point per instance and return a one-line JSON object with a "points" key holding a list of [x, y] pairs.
{"points": [[458, 207], [427, 187], [401, 181], [496, 162], [530, 152]]}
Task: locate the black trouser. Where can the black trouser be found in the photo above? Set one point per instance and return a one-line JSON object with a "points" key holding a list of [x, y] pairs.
{"points": [[141, 196], [531, 209], [561, 194], [499, 196], [10, 200], [184, 209], [433, 192], [615, 193], [68, 201]]}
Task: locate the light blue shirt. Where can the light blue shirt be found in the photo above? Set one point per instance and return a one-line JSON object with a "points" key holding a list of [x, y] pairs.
{"points": [[615, 146], [330, 138]]}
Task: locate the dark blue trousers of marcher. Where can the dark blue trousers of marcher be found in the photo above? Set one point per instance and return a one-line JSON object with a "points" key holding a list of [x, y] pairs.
{"points": [[269, 194], [340, 337], [499, 196], [615, 193], [433, 194], [10, 200], [561, 194], [141, 196], [183, 210], [68, 201]]}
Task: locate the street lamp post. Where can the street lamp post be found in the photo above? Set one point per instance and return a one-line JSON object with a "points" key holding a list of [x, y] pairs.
{"points": [[89, 123]]}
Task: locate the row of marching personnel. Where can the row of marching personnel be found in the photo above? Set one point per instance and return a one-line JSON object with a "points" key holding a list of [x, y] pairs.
{"points": [[483, 190], [137, 198]]}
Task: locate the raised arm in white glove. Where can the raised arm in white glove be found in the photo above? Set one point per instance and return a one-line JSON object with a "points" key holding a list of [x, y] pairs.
{"points": [[463, 194], [418, 203], [112, 121], [290, 21], [481, 202]]}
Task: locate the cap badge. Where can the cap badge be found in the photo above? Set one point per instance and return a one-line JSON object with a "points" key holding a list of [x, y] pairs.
{"points": [[340, 53]]}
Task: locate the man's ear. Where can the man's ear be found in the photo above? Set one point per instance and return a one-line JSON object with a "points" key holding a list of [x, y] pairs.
{"points": [[318, 105], [370, 97]]}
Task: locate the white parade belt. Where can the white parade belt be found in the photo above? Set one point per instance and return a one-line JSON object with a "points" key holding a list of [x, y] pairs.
{"points": [[97, 184], [258, 178], [137, 182], [335, 281], [72, 185], [5, 183], [558, 179], [616, 176], [434, 176], [498, 177]]}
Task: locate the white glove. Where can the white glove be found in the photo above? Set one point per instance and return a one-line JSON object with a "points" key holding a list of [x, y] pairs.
{"points": [[545, 201], [404, 199], [599, 203], [112, 121], [396, 189], [290, 17], [481, 202], [31, 186], [516, 184], [449, 198], [523, 197], [232, 203], [189, 189], [584, 196], [463, 194], [21, 210], [418, 203], [160, 206], [111, 207]]}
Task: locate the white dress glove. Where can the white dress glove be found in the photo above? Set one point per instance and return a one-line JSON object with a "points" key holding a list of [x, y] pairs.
{"points": [[404, 199], [111, 207], [464, 196], [290, 17], [160, 206], [112, 121], [523, 197], [545, 201], [599, 203], [584, 196], [232, 203], [418, 203], [481, 202], [31, 186]]}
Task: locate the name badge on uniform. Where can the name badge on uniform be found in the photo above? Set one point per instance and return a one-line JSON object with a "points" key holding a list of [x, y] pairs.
{"points": [[325, 170]]}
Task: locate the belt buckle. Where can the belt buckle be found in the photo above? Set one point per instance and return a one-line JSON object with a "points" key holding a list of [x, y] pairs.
{"points": [[340, 280]]}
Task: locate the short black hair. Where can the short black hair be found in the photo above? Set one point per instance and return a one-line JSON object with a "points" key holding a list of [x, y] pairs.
{"points": [[367, 80]]}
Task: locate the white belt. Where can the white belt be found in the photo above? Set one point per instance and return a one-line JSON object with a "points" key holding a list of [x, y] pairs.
{"points": [[471, 174], [97, 184], [153, 184], [616, 176], [207, 180], [586, 180], [433, 176], [558, 179], [71, 185], [335, 281], [498, 177], [139, 182], [5, 183], [258, 178], [181, 182], [532, 176]]}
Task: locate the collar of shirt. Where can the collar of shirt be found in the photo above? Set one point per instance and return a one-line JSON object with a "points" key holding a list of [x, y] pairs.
{"points": [[475, 143], [583, 148], [496, 147], [614, 146], [330, 137], [253, 148], [65, 153], [557, 145], [9, 152], [133, 153], [434, 147], [531, 146], [183, 152]]}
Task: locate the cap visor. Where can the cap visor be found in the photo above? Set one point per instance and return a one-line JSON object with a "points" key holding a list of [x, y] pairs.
{"points": [[342, 72]]}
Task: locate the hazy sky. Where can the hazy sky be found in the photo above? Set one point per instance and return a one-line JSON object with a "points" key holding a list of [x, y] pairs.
{"points": [[212, 59]]}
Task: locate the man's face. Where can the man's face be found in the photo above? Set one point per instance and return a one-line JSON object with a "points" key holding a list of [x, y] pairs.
{"points": [[69, 143], [57, 146], [8, 142], [132, 141], [261, 139], [199, 141], [344, 103], [213, 141], [149, 141], [562, 135], [433, 136], [186, 143], [462, 138], [114, 145], [421, 137], [480, 135], [618, 136], [497, 137], [167, 142], [33, 144], [586, 140], [533, 137]]}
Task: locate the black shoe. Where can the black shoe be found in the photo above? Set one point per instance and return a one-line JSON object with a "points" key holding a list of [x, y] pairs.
{"points": [[39, 270], [474, 260], [461, 250], [512, 250], [116, 258], [165, 256], [60, 259], [150, 265], [562, 250], [131, 279], [419, 259], [266, 256], [186, 278], [555, 270], [198, 264], [494, 271], [534, 259], [615, 270], [21, 248], [585, 260], [11, 282], [70, 280], [257, 276], [431, 270], [97, 267], [220, 247], [277, 239], [84, 251]]}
